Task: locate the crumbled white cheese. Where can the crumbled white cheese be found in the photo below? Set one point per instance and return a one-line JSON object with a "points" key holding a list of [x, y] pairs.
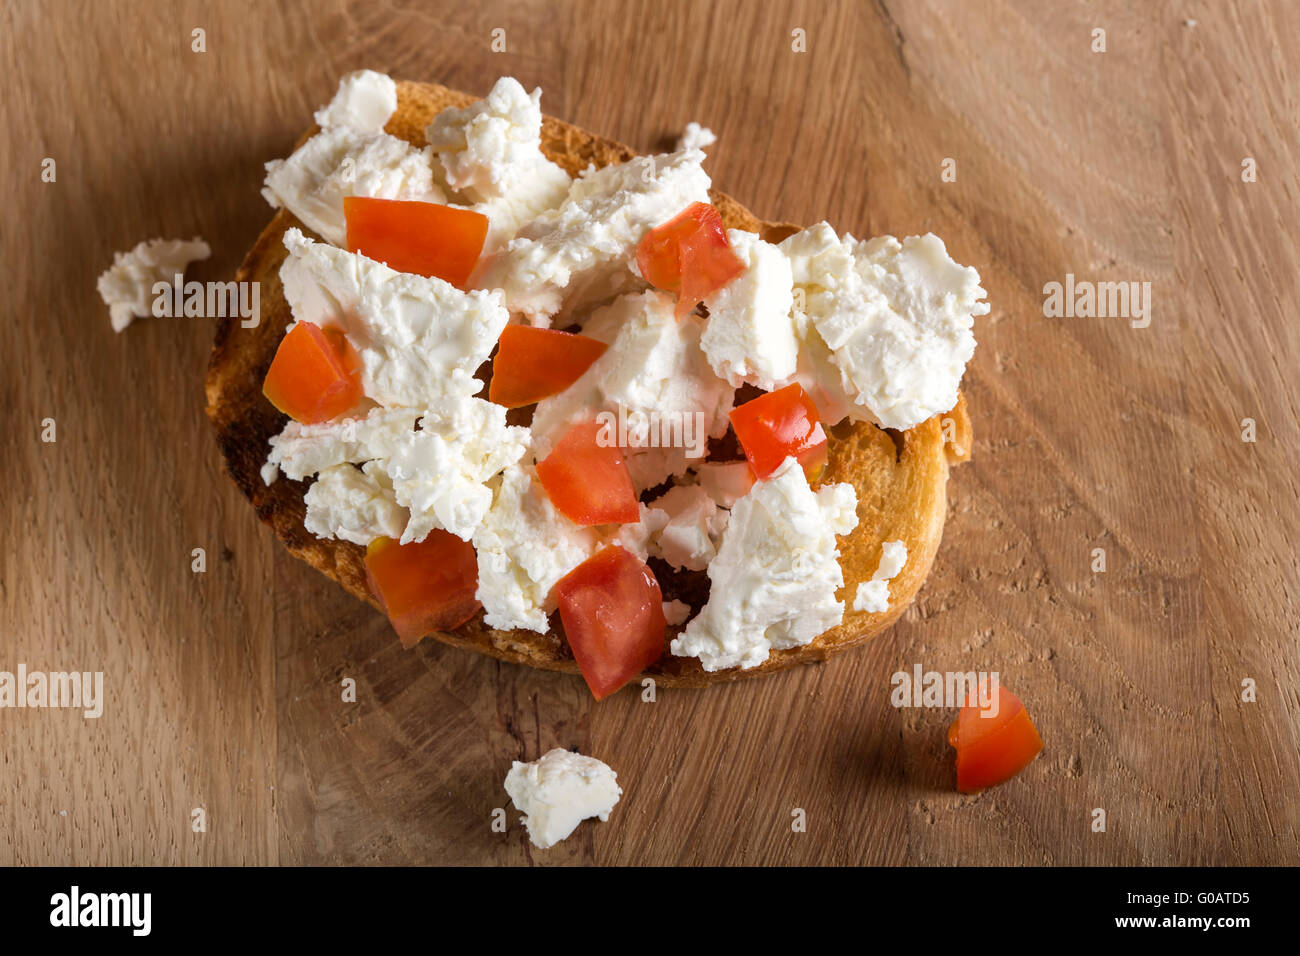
{"points": [[354, 504], [895, 316], [364, 101], [341, 161], [351, 156], [692, 527], [584, 251], [524, 547], [773, 582], [750, 333], [821, 379], [725, 481], [696, 136], [440, 472], [637, 538], [127, 285], [653, 366], [304, 450], [873, 595], [418, 338], [559, 791], [491, 152], [676, 612]]}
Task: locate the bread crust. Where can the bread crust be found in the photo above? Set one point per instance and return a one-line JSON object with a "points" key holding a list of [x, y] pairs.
{"points": [[900, 478]]}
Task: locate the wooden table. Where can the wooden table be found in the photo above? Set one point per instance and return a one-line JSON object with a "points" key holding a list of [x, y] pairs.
{"points": [[223, 687]]}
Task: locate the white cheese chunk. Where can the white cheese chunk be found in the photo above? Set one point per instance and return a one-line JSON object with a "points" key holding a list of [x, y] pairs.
{"points": [[560, 790], [676, 612], [304, 450], [492, 153], [895, 316], [342, 161], [773, 583], [750, 334], [364, 101], [694, 523], [725, 481], [637, 538], [440, 472], [127, 285], [418, 338], [822, 379], [873, 595], [584, 251], [653, 377], [354, 504], [524, 547], [696, 136]]}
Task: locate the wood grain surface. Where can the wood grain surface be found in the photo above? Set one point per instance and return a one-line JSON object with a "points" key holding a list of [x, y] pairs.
{"points": [[223, 687]]}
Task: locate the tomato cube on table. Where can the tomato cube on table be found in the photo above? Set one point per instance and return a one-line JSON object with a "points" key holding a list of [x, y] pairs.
{"points": [[993, 749]]}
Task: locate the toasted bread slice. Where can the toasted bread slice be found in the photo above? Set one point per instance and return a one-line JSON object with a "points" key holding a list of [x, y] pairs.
{"points": [[900, 477]]}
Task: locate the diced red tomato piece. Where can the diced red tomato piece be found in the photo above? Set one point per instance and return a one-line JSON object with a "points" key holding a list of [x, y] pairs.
{"points": [[777, 425], [689, 255], [424, 586], [587, 480], [991, 750], [533, 363], [708, 264], [315, 374], [425, 238], [613, 616], [659, 254]]}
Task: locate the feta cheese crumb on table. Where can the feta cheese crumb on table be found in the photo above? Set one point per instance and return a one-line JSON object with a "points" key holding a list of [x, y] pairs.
{"points": [[558, 791], [873, 595], [127, 285], [773, 582], [696, 136]]}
